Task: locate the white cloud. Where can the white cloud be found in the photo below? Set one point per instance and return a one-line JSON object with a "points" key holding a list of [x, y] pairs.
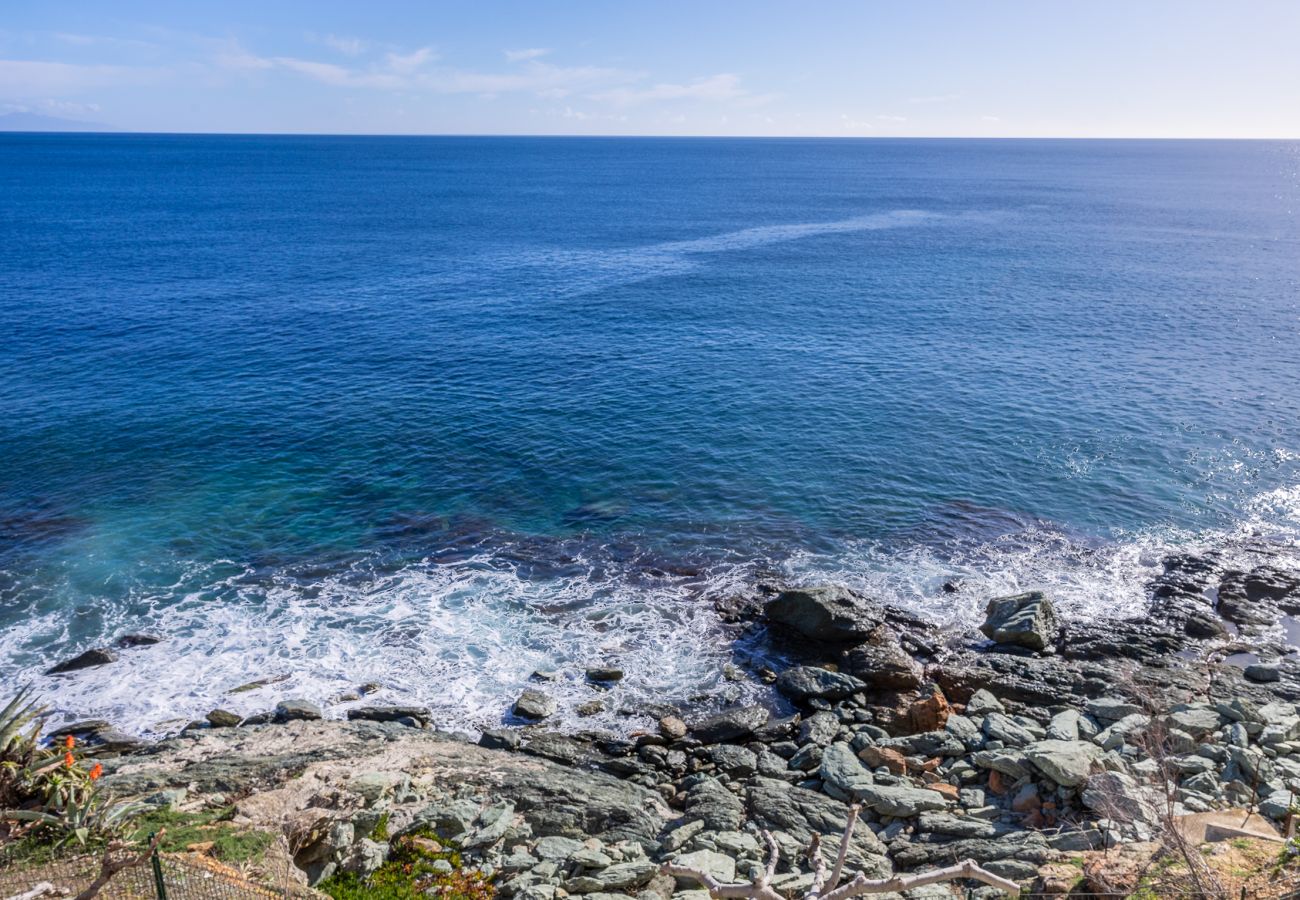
{"points": [[340, 76], [715, 88], [991, 118], [405, 64], [895, 119], [239, 59], [850, 124], [348, 46], [525, 55]]}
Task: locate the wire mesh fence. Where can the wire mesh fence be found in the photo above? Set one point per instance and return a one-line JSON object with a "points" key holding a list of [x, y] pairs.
{"points": [[157, 876]]}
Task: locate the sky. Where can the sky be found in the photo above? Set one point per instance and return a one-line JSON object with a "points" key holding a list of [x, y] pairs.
{"points": [[1137, 68]]}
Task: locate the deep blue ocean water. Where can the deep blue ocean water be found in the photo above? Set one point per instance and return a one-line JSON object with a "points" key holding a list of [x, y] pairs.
{"points": [[438, 412]]}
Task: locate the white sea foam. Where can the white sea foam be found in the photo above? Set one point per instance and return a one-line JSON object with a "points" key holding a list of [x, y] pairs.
{"points": [[464, 638]]}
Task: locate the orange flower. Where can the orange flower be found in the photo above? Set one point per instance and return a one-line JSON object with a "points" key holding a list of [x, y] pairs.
{"points": [[69, 742], [96, 771], [69, 760]]}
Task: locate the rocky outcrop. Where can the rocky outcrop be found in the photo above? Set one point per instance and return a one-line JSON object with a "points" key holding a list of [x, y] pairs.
{"points": [[831, 613]]}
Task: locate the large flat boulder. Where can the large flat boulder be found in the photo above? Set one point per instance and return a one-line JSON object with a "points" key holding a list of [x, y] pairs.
{"points": [[827, 613]]}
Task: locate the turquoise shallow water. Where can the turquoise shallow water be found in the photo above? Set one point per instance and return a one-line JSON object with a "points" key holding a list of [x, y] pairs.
{"points": [[436, 412]]}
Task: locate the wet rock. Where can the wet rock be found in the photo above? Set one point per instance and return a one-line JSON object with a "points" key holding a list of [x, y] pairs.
{"points": [[295, 710], [533, 704], [127, 641], [830, 613], [604, 674], [590, 708], [819, 729], [81, 728], [555, 747], [420, 714], [99, 656], [1027, 620], [730, 724], [1261, 673], [803, 682]]}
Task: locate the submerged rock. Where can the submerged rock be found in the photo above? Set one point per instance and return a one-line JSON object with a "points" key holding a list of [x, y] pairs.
{"points": [[1028, 620]]}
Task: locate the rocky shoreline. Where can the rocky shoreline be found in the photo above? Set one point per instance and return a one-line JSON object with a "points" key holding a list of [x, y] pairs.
{"points": [[1030, 747]]}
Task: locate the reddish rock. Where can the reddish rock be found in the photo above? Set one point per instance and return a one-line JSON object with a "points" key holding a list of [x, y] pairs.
{"points": [[930, 713], [942, 787], [998, 783], [875, 757]]}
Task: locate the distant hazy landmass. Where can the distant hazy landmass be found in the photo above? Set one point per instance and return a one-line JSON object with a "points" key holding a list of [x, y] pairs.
{"points": [[29, 121]]}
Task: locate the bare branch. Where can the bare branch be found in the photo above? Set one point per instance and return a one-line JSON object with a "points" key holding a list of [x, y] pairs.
{"points": [[773, 858], [968, 869], [109, 867], [844, 847], [818, 865]]}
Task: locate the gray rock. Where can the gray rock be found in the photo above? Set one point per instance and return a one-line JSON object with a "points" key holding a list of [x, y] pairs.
{"points": [[965, 730], [882, 663], [366, 856], [730, 724], [1198, 721], [1067, 763], [557, 848], [982, 703], [1107, 710], [1009, 762], [1117, 795], [679, 837], [718, 808], [1262, 673], [99, 656], [998, 727], [614, 878], [591, 858], [533, 704], [820, 728], [499, 739], [802, 682], [296, 710], [832, 613], [899, 800], [1064, 726], [718, 865], [736, 762], [1028, 620], [798, 814], [841, 772]]}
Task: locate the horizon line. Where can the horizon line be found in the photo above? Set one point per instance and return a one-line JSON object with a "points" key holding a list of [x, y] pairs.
{"points": [[109, 131]]}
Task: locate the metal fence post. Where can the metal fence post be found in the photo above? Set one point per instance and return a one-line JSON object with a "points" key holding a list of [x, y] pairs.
{"points": [[159, 885]]}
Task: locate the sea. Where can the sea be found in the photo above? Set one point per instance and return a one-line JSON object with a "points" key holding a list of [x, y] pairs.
{"points": [[440, 413]]}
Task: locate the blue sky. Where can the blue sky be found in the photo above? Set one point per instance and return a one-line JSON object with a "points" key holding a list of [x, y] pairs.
{"points": [[1140, 68]]}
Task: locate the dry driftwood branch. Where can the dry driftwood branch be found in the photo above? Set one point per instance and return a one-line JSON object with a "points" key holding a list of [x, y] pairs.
{"points": [[41, 890], [110, 867], [824, 888]]}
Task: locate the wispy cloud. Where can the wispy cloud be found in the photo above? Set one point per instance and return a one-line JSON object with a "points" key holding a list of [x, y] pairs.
{"points": [[893, 119], [524, 55], [714, 88], [348, 46], [409, 63]]}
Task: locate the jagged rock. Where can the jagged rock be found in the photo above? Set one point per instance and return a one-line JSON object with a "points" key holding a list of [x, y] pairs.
{"points": [[737, 762], [222, 718], [998, 727], [799, 813], [730, 724], [1262, 674], [899, 800], [930, 712], [831, 613], [819, 728], [533, 704], [1028, 620], [1023, 846], [604, 674], [618, 877], [802, 682], [1117, 795], [1066, 763], [99, 656], [876, 757], [718, 808], [127, 641], [499, 739], [882, 663], [1064, 726]]}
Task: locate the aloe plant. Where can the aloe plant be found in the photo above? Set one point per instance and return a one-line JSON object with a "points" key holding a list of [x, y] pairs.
{"points": [[81, 813], [19, 725]]}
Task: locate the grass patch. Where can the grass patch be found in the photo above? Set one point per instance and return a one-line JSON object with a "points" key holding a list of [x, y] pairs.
{"points": [[415, 870], [230, 844]]}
